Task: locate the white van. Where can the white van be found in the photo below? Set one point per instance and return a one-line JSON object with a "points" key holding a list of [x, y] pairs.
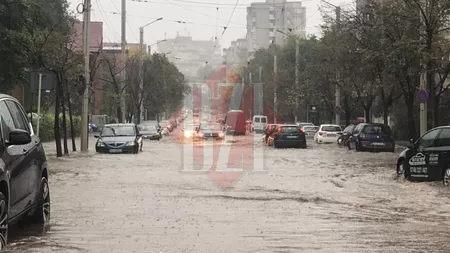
{"points": [[259, 123]]}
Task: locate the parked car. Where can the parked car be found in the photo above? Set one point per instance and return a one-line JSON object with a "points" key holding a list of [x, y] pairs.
{"points": [[119, 138], [427, 158], [288, 136], [150, 131], [24, 190], [371, 137], [327, 133], [345, 136], [309, 130]]}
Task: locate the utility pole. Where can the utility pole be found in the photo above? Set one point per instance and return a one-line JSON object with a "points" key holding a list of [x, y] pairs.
{"points": [[423, 113], [124, 59], [39, 105], [141, 75], [85, 107], [260, 95], [297, 73], [275, 70], [338, 76]]}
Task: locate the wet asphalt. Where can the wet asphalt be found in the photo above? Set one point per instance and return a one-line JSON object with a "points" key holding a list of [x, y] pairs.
{"points": [[320, 199]]}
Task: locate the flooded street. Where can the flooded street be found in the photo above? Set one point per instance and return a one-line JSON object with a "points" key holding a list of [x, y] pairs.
{"points": [[322, 199]]}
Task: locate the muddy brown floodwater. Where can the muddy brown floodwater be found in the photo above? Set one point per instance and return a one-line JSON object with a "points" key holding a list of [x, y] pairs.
{"points": [[322, 199]]}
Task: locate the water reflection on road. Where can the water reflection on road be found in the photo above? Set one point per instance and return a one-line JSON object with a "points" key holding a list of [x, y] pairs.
{"points": [[321, 199]]}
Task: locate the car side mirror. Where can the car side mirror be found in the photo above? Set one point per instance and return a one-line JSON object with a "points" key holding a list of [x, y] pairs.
{"points": [[411, 144], [96, 136], [19, 137]]}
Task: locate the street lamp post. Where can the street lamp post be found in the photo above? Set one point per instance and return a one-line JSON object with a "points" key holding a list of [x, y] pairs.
{"points": [[141, 71]]}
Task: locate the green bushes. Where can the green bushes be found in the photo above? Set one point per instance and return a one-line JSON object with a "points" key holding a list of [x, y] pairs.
{"points": [[47, 123]]}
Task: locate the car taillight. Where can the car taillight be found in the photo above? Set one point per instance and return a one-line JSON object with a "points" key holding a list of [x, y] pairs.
{"points": [[362, 135], [301, 129], [279, 129], [321, 133]]}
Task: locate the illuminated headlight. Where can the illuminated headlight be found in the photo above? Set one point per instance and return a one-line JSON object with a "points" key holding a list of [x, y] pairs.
{"points": [[187, 134], [131, 143], [100, 144], [221, 134]]}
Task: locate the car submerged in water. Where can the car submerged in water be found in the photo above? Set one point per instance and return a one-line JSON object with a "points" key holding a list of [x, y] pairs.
{"points": [[150, 131], [119, 138], [427, 158], [371, 137]]}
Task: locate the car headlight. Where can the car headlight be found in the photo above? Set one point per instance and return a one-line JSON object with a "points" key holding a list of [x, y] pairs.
{"points": [[221, 134], [131, 143], [200, 134], [187, 134], [100, 144]]}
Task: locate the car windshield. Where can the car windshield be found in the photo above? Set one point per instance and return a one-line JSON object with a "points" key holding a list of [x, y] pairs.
{"points": [[310, 128], [148, 128], [118, 131], [211, 127], [377, 129], [290, 129], [331, 129]]}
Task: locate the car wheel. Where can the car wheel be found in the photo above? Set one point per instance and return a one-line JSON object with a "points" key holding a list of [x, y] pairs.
{"points": [[42, 213], [357, 147], [3, 221], [446, 179], [275, 144], [401, 169]]}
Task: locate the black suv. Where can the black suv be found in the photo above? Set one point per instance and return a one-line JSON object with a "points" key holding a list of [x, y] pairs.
{"points": [[24, 190]]}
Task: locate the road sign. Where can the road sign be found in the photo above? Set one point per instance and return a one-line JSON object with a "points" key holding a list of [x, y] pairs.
{"points": [[313, 108], [337, 109], [422, 96]]}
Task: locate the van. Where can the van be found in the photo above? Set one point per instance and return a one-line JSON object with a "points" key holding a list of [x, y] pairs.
{"points": [[235, 122], [259, 123]]}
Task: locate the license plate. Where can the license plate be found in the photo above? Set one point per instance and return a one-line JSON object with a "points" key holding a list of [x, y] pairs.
{"points": [[377, 143], [292, 137], [115, 150]]}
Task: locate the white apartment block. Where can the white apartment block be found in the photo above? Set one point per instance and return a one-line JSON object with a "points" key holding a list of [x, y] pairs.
{"points": [[265, 20], [190, 55]]}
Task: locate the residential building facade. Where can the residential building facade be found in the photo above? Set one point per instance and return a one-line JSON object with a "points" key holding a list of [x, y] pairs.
{"points": [[269, 22], [190, 55]]}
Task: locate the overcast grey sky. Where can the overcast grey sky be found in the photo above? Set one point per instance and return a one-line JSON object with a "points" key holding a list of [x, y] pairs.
{"points": [[200, 16]]}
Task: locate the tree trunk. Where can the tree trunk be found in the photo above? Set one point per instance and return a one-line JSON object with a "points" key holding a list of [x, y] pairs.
{"points": [[64, 119], [347, 110], [72, 128], [437, 101], [409, 100], [119, 113], [56, 131]]}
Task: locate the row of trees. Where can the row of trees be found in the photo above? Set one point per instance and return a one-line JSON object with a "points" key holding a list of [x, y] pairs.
{"points": [[375, 55], [42, 35]]}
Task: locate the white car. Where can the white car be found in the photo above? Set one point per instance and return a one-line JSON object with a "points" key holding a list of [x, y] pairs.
{"points": [[328, 133]]}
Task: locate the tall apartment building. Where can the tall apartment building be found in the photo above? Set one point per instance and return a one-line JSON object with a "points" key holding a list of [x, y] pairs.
{"points": [[265, 18], [236, 54], [190, 55]]}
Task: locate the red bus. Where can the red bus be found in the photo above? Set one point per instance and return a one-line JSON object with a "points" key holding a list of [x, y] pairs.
{"points": [[235, 122]]}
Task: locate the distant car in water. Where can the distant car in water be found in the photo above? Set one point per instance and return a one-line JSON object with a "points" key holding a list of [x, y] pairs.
{"points": [[309, 130], [288, 136], [119, 138], [328, 133], [150, 131], [211, 131], [371, 137], [345, 136]]}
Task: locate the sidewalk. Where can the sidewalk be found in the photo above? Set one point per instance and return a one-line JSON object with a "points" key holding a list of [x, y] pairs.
{"points": [[50, 146]]}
